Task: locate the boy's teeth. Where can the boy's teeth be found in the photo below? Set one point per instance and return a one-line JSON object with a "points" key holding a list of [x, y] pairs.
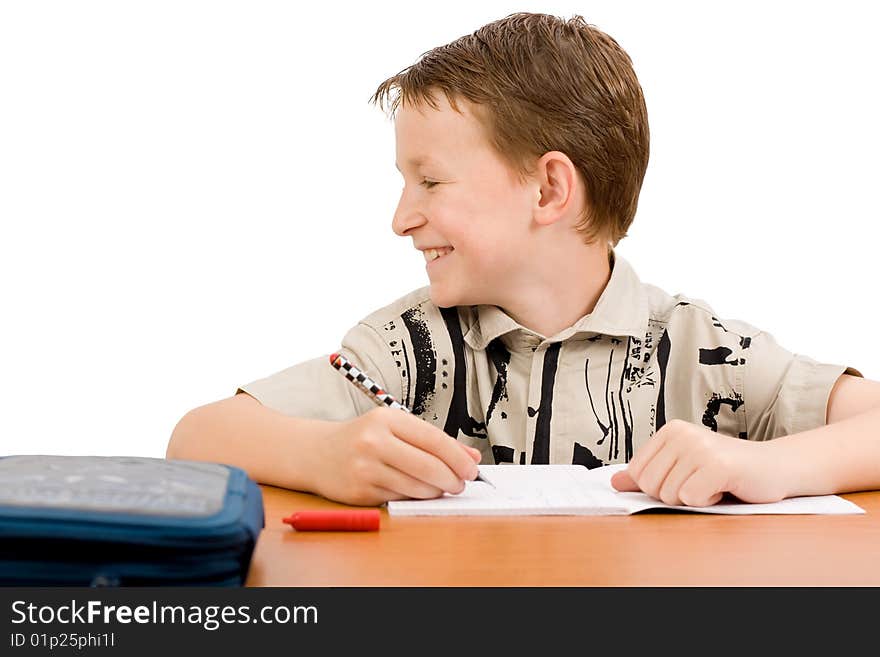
{"points": [[433, 254]]}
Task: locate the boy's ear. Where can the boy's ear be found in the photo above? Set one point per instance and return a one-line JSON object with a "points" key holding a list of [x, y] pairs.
{"points": [[557, 178]]}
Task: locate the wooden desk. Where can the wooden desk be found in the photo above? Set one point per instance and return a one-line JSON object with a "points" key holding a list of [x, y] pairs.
{"points": [[665, 549]]}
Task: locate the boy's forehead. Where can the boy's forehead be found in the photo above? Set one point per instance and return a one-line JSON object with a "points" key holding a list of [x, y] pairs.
{"points": [[425, 135]]}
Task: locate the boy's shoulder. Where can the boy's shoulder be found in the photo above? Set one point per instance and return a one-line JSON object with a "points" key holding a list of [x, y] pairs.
{"points": [[683, 310], [655, 309]]}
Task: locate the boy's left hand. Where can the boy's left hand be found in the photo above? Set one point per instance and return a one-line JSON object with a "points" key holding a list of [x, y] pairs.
{"points": [[687, 464]]}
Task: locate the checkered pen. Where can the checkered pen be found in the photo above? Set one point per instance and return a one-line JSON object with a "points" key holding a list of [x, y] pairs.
{"points": [[364, 382], [374, 390]]}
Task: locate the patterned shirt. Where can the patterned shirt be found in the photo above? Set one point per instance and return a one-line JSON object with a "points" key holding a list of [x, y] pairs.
{"points": [[592, 394]]}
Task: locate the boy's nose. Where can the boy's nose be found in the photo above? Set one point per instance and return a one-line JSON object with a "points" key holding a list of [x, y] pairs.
{"points": [[406, 217]]}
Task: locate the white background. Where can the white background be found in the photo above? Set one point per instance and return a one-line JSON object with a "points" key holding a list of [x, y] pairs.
{"points": [[185, 188]]}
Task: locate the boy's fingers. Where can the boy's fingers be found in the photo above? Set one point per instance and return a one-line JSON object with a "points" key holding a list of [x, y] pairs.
{"points": [[401, 483], [412, 464], [475, 453], [645, 454], [429, 438], [623, 482]]}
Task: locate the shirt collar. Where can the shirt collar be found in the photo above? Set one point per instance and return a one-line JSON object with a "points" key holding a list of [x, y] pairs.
{"points": [[622, 309]]}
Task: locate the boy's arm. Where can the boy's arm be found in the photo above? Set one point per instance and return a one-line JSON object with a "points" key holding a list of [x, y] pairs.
{"points": [[843, 455], [689, 464], [272, 447], [851, 395], [382, 455]]}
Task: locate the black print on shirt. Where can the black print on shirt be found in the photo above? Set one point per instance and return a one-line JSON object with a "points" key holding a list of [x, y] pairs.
{"points": [[714, 406], [721, 356], [458, 418], [541, 445], [718, 356], [423, 355], [583, 456], [502, 454], [500, 357], [604, 428], [663, 348], [629, 374], [404, 369]]}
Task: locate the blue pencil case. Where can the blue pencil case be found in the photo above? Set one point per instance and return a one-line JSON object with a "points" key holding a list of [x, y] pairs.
{"points": [[125, 521]]}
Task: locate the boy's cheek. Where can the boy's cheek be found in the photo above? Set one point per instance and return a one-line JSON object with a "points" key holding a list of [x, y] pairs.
{"points": [[484, 254]]}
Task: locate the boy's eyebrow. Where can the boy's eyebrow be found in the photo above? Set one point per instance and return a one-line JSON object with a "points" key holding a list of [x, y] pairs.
{"points": [[416, 161]]}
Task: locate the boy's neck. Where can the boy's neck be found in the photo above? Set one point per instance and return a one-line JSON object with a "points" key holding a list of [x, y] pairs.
{"points": [[565, 295]]}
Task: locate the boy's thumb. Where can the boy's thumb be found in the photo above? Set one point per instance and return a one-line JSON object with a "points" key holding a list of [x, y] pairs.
{"points": [[476, 454]]}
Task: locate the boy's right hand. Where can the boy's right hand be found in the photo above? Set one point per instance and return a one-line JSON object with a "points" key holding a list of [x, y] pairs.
{"points": [[389, 454]]}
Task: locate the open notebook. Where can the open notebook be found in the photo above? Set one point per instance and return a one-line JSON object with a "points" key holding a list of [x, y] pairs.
{"points": [[575, 490]]}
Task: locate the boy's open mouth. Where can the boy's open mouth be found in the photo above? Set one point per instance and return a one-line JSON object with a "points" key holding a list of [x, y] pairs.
{"points": [[434, 254]]}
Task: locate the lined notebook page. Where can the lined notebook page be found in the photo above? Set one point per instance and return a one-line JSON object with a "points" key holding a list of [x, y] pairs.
{"points": [[522, 490], [575, 490]]}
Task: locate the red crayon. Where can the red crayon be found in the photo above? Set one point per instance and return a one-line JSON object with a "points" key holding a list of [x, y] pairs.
{"points": [[364, 520]]}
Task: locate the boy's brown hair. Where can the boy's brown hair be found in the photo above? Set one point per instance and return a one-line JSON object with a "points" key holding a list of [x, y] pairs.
{"points": [[542, 83]]}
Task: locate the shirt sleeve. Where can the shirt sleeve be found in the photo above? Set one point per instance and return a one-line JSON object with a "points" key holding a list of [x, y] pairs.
{"points": [[785, 393], [315, 389]]}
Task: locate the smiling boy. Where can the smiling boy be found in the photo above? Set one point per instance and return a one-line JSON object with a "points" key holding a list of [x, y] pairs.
{"points": [[523, 148], [467, 202]]}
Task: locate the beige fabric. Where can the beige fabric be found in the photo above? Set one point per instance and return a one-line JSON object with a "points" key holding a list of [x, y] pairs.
{"points": [[592, 394]]}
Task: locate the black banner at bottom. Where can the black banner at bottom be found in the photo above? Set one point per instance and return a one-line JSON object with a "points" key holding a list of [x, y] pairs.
{"points": [[157, 621]]}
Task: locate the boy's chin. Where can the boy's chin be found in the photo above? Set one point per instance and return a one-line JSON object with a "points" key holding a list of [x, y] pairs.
{"points": [[443, 297], [448, 297]]}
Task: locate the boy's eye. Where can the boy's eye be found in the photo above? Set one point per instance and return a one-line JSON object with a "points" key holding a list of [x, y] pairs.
{"points": [[429, 183]]}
